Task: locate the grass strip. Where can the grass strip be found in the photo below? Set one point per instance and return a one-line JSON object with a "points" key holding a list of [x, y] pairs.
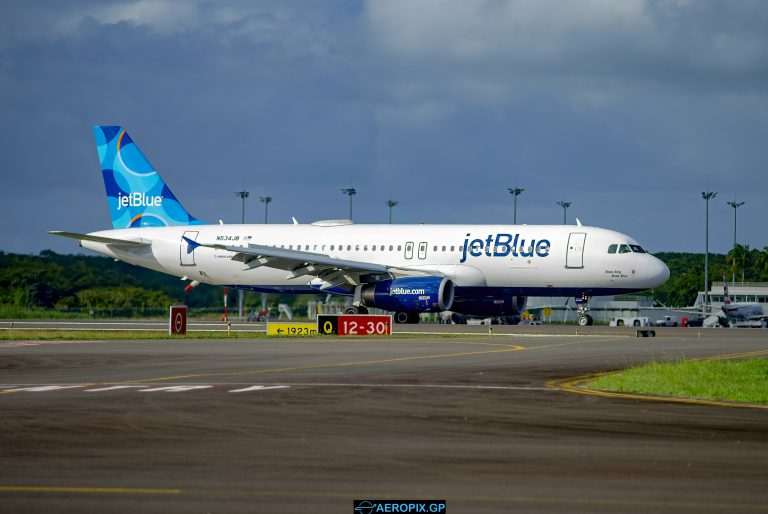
{"points": [[739, 381], [109, 335], [100, 335]]}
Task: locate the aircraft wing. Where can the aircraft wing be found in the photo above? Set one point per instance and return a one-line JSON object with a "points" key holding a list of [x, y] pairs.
{"points": [[298, 263], [99, 239]]}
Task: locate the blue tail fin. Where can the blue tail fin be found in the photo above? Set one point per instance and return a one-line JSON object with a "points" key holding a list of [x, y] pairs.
{"points": [[137, 195]]}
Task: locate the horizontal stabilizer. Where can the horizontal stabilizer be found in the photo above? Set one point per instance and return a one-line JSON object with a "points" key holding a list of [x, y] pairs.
{"points": [[100, 239]]}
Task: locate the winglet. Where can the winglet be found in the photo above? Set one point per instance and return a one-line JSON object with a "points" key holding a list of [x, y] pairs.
{"points": [[191, 245], [578, 222], [295, 222]]}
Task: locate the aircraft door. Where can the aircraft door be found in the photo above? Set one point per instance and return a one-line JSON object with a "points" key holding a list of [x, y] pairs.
{"points": [[187, 259], [423, 250], [574, 258], [409, 250]]}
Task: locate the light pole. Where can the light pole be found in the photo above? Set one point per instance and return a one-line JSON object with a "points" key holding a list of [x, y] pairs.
{"points": [[240, 293], [350, 191], [565, 206], [390, 204], [707, 196], [515, 191], [265, 200], [735, 206]]}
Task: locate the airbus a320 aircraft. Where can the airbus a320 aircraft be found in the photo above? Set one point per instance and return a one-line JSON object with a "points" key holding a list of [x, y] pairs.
{"points": [[476, 270]]}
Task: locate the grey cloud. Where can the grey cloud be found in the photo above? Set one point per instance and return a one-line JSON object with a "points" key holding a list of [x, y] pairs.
{"points": [[629, 109]]}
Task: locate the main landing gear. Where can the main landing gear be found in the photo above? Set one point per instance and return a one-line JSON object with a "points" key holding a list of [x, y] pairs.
{"points": [[582, 306], [355, 310], [407, 317]]}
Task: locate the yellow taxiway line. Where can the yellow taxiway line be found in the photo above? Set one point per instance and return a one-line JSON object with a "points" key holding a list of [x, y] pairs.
{"points": [[84, 490]]}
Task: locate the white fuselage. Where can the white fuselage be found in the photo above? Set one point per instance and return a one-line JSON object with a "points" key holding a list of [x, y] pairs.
{"points": [[547, 260]]}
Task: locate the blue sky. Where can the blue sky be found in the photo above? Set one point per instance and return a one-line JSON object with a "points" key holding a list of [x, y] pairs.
{"points": [[628, 109]]}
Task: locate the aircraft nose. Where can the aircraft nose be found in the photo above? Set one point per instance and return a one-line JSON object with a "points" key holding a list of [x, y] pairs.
{"points": [[659, 272]]}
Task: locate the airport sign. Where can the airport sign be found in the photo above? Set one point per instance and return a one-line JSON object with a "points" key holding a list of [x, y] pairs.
{"points": [[291, 329], [354, 324]]}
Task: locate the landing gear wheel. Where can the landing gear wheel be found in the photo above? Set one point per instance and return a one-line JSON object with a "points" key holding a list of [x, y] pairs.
{"points": [[401, 317], [582, 303], [413, 318], [362, 310], [352, 310]]}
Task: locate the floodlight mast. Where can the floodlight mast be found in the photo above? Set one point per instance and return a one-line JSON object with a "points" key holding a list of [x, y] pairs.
{"points": [[240, 293], [707, 196], [390, 204], [350, 191], [515, 191]]}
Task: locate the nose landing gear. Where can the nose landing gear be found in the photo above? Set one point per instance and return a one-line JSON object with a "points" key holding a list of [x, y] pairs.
{"points": [[582, 307]]}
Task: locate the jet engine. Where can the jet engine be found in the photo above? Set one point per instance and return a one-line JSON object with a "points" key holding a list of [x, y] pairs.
{"points": [[491, 305], [410, 294]]}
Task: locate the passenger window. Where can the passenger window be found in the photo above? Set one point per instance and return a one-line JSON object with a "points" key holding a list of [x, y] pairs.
{"points": [[373, 248], [391, 248], [399, 247], [331, 247], [443, 248], [365, 248], [434, 248], [349, 248], [624, 249], [452, 248], [612, 248]]}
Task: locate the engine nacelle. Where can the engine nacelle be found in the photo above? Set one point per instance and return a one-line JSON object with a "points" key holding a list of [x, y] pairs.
{"points": [[490, 305], [410, 294]]}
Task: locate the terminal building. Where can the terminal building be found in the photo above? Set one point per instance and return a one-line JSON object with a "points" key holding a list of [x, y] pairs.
{"points": [[740, 292]]}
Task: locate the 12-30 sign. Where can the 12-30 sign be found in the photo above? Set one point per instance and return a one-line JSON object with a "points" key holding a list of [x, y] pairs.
{"points": [[354, 325]]}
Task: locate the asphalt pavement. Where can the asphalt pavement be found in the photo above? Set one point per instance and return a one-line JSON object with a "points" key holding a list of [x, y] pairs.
{"points": [[309, 425]]}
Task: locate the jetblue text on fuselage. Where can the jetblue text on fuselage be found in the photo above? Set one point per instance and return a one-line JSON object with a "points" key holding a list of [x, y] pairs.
{"points": [[501, 245], [138, 200]]}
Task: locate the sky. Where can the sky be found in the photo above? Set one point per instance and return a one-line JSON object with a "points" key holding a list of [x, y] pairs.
{"points": [[628, 109]]}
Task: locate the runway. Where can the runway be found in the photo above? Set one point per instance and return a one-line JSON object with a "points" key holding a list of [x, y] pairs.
{"points": [[309, 425]]}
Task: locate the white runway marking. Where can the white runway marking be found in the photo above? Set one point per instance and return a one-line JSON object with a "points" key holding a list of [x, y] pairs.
{"points": [[175, 389], [113, 388], [40, 389], [247, 388], [258, 388]]}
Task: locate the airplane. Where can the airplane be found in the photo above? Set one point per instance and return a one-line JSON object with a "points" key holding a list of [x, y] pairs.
{"points": [[474, 270], [741, 312]]}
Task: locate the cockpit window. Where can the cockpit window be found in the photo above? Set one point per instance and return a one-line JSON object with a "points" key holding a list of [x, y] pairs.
{"points": [[637, 249], [624, 249], [612, 248]]}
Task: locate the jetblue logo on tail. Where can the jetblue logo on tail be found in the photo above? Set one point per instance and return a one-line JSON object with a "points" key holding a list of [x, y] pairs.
{"points": [[502, 245], [138, 200]]}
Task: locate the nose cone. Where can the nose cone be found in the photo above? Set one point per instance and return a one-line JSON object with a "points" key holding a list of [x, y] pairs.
{"points": [[657, 271]]}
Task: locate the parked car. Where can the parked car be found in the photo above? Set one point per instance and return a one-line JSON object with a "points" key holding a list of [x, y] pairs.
{"points": [[630, 322], [666, 321]]}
